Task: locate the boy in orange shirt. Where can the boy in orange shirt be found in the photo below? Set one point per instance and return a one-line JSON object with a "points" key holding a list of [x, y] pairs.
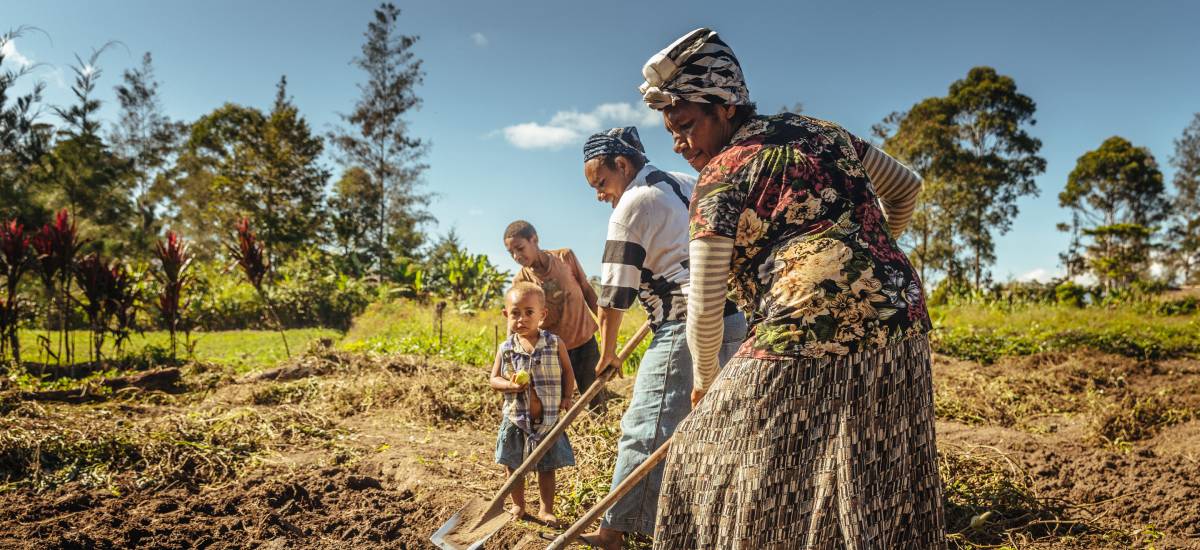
{"points": [[570, 298]]}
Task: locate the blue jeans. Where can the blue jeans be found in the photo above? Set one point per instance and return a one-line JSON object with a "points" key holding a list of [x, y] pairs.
{"points": [[662, 398]]}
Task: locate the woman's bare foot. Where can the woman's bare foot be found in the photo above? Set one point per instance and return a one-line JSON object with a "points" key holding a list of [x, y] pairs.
{"points": [[605, 539], [517, 512], [547, 517]]}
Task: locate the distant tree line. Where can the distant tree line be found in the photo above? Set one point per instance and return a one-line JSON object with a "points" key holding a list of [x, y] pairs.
{"points": [[974, 148], [127, 181]]}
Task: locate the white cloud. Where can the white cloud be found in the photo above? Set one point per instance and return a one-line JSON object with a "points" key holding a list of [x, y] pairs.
{"points": [[1041, 275], [11, 54], [569, 127], [532, 135], [479, 39]]}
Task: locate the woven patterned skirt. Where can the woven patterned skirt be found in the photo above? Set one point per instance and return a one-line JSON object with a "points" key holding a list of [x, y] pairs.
{"points": [[824, 453]]}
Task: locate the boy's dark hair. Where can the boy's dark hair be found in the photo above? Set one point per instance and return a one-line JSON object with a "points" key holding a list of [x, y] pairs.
{"points": [[520, 229]]}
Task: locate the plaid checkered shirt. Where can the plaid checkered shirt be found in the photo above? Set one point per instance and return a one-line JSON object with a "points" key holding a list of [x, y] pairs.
{"points": [[545, 378]]}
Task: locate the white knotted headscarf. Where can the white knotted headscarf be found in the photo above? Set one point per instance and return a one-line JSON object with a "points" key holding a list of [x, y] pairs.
{"points": [[697, 67]]}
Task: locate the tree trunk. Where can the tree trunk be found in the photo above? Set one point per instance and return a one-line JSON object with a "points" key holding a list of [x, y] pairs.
{"points": [[382, 229], [15, 343]]}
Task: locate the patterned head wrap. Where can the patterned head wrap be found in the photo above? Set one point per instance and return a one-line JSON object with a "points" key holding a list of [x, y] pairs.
{"points": [[617, 141], [697, 67]]}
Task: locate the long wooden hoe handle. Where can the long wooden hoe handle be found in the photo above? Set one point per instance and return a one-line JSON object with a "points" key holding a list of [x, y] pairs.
{"points": [[564, 421], [609, 500]]}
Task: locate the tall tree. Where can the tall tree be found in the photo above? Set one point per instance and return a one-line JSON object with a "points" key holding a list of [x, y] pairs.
{"points": [[241, 163], [1184, 233], [1117, 191], [81, 172], [378, 138], [148, 140], [23, 140], [1073, 257], [352, 213], [973, 144], [294, 179], [930, 238], [215, 172]]}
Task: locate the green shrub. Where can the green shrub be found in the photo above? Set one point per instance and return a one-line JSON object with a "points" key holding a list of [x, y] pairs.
{"points": [[1182, 306], [1070, 293], [308, 291]]}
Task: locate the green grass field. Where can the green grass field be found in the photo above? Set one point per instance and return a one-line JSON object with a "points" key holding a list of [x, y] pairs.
{"points": [[410, 327], [243, 350], [986, 333]]}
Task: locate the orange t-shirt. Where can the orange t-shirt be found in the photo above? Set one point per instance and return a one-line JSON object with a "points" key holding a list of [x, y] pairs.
{"points": [[568, 313]]}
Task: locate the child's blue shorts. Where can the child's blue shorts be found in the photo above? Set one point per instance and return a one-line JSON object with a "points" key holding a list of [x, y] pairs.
{"points": [[510, 447]]}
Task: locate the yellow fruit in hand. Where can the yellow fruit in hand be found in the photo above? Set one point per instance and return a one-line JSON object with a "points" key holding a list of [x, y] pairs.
{"points": [[521, 378]]}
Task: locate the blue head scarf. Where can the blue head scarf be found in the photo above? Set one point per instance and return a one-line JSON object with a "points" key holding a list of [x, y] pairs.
{"points": [[617, 141]]}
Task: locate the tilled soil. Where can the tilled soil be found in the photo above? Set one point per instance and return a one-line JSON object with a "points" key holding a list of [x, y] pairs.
{"points": [[407, 476], [325, 508]]}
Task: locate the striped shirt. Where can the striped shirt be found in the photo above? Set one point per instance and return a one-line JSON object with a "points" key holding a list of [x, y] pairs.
{"points": [[545, 378], [896, 185], [646, 254]]}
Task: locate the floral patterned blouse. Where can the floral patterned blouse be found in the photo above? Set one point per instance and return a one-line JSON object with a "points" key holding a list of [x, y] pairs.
{"points": [[814, 266]]}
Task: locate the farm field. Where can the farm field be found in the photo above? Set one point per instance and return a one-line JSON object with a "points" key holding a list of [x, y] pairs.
{"points": [[378, 439], [252, 290]]}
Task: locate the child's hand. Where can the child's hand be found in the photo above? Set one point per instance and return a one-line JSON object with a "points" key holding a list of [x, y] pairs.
{"points": [[565, 404], [519, 382]]}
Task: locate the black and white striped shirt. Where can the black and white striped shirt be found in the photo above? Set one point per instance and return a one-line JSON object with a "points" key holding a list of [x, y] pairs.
{"points": [[646, 255]]}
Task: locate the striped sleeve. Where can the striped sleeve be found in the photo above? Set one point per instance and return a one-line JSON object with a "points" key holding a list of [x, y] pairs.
{"points": [[710, 259], [621, 267], [897, 186]]}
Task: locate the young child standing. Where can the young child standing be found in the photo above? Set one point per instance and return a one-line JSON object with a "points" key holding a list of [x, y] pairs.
{"points": [[570, 298], [533, 400]]}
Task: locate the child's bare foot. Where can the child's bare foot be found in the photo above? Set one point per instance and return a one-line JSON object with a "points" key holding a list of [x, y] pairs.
{"points": [[517, 512], [547, 517]]}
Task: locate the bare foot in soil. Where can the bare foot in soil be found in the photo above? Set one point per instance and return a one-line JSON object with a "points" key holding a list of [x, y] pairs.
{"points": [[547, 517], [516, 511], [605, 539]]}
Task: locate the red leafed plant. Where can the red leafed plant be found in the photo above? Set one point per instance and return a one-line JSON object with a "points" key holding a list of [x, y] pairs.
{"points": [[247, 251], [14, 260], [122, 299], [95, 279], [174, 257], [56, 246], [110, 293]]}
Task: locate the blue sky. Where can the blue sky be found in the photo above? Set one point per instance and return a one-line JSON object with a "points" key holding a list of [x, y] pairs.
{"points": [[513, 87]]}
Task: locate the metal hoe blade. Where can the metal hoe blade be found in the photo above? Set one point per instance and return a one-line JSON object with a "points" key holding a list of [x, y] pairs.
{"points": [[439, 538]]}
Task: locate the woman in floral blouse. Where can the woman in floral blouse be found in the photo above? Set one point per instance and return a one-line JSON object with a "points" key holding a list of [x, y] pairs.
{"points": [[819, 433]]}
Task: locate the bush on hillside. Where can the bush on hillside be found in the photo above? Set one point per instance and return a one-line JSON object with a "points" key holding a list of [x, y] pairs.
{"points": [[308, 291]]}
